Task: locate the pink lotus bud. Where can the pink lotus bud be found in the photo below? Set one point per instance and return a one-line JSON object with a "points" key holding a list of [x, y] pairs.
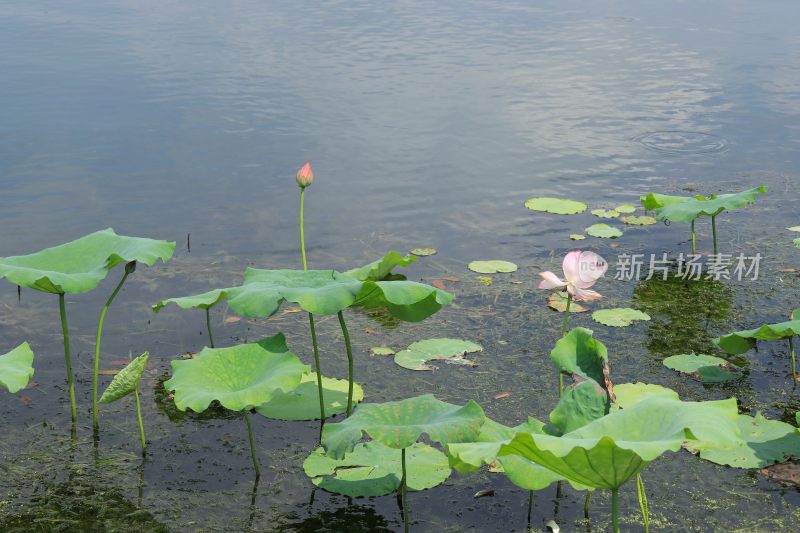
{"points": [[305, 176]]}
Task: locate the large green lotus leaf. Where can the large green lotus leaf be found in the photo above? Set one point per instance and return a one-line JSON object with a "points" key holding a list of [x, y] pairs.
{"points": [[373, 469], [629, 394], [451, 351], [531, 476], [206, 300], [126, 381], [556, 205], [714, 205], [611, 450], [407, 300], [604, 231], [80, 265], [707, 368], [619, 317], [380, 269], [302, 403], [655, 201], [580, 404], [762, 442], [399, 424], [580, 354], [239, 377], [467, 457], [16, 368], [739, 342]]}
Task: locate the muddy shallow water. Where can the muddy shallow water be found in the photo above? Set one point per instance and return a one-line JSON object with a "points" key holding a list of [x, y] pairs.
{"points": [[429, 124]]}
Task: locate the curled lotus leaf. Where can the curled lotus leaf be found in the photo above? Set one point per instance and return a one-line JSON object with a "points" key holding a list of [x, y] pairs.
{"points": [[382, 268], [80, 265], [580, 404], [206, 300], [239, 377], [400, 424], [126, 381], [629, 394], [638, 221], [16, 368], [302, 403], [739, 342], [451, 351], [373, 469], [578, 353], [605, 213], [712, 206], [706, 368], [557, 206], [492, 266], [619, 317], [558, 300], [604, 231]]}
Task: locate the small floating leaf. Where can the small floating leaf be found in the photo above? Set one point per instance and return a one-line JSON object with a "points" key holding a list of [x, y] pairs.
{"points": [[558, 301], [794, 228], [556, 205], [703, 367], [423, 252], [619, 316], [486, 280], [625, 208], [381, 350], [16, 368], [605, 213], [603, 231], [126, 380], [452, 351], [639, 221], [577, 237], [492, 267], [302, 403]]}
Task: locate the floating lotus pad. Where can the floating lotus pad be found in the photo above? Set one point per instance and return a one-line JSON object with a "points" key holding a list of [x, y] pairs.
{"points": [[605, 213], [794, 228], [492, 267], [423, 252], [692, 208], [16, 368], [126, 381], [400, 424], [373, 469], [740, 341], [451, 351], [381, 350], [603, 231], [80, 265], [577, 237], [240, 377], [557, 206], [302, 403], [703, 367], [638, 221], [558, 300], [619, 316], [625, 208]]}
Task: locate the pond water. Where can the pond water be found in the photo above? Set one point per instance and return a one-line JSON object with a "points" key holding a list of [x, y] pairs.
{"points": [[429, 123]]}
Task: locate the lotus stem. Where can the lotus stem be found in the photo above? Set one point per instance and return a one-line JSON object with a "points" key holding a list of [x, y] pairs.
{"points": [[404, 490], [302, 231], [97, 340], [714, 232], [67, 358], [139, 416], [794, 364], [586, 503], [316, 364], [252, 444], [615, 510], [694, 244], [530, 508], [349, 363], [564, 326], [642, 495], [208, 327]]}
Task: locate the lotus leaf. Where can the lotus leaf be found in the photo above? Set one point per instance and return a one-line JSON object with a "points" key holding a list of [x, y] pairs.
{"points": [[302, 403], [239, 377], [625, 208], [381, 350], [794, 228], [603, 231], [629, 394], [579, 405], [467, 457], [556, 205], [373, 469], [452, 351], [578, 353], [619, 316], [605, 213], [638, 221], [577, 237], [423, 252], [712, 206], [492, 267], [655, 201], [703, 367], [205, 300], [16, 368], [80, 265], [380, 269], [796, 242], [740, 341], [399, 424], [126, 381], [558, 301]]}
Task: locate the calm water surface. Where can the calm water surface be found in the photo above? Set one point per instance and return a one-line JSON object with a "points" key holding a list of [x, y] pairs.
{"points": [[428, 124]]}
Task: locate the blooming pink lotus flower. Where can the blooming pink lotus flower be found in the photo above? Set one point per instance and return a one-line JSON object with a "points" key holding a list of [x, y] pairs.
{"points": [[305, 176], [581, 270]]}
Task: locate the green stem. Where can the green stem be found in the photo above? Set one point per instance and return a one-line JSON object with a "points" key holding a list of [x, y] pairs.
{"points": [[208, 327], [694, 244], [139, 416], [403, 490], [252, 444], [302, 232], [586, 503], [615, 510], [794, 365], [564, 326], [349, 364], [97, 339], [714, 232], [642, 495], [316, 364], [67, 358]]}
